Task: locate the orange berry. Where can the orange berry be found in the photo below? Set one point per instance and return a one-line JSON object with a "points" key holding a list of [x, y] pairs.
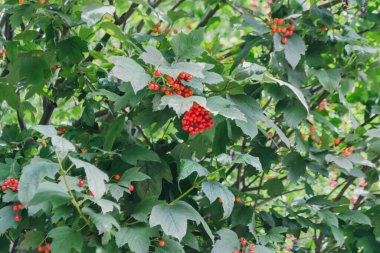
{"points": [[162, 243]]}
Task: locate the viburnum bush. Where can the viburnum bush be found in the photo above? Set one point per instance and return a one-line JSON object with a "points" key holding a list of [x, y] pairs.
{"points": [[223, 126]]}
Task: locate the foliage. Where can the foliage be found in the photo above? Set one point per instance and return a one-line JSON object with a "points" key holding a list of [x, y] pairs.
{"points": [[189, 126]]}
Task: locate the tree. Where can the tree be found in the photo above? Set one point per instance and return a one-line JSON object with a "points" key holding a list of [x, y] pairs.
{"points": [[189, 126]]}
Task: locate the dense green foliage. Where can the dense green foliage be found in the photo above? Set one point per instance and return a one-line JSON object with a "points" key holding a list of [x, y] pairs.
{"points": [[268, 140]]}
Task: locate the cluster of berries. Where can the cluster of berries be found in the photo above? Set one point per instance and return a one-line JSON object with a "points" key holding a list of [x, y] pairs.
{"points": [[363, 183], [243, 243], [12, 184], [17, 208], [158, 29], [42, 249], [197, 119], [23, 2], [3, 51], [322, 105], [62, 131], [279, 26], [175, 86], [347, 152]]}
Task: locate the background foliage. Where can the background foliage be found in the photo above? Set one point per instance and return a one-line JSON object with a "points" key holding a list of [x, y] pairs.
{"points": [[92, 160]]}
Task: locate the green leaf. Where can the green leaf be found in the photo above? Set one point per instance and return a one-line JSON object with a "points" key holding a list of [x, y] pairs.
{"points": [[252, 112], [224, 107], [263, 249], [62, 146], [173, 219], [32, 240], [294, 89], [338, 235], [7, 220], [31, 176], [329, 79], [8, 93], [65, 239], [113, 131], [355, 217], [294, 112], [153, 56], [93, 12], [132, 175], [294, 48], [187, 167], [134, 153], [274, 186], [249, 71], [329, 217], [47, 130], [95, 177], [248, 159], [344, 163], [144, 208], [128, 70], [137, 238], [258, 27], [179, 104], [214, 191], [71, 50], [188, 45], [228, 242], [296, 166], [103, 222]]}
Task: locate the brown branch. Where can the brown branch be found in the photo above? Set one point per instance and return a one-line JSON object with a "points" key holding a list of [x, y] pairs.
{"points": [[208, 16], [49, 107]]}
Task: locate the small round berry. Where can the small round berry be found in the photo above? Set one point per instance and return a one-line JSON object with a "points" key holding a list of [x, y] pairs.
{"points": [[117, 177], [84, 151], [188, 26], [47, 245], [220, 200], [40, 249], [303, 136], [131, 188], [336, 141], [157, 73], [284, 40], [4, 188], [81, 182], [243, 242], [20, 206], [17, 218], [349, 149], [319, 142], [237, 199], [158, 24], [162, 243], [324, 29], [175, 31], [252, 247], [313, 137], [167, 30], [15, 208]]}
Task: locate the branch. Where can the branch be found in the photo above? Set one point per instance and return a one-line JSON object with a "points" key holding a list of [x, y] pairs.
{"points": [[145, 137], [208, 16], [49, 107]]}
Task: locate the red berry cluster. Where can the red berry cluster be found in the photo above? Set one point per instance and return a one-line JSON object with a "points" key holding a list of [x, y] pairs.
{"points": [[243, 243], [45, 250], [197, 119], [17, 208], [279, 26], [3, 51], [347, 152], [12, 184], [158, 29], [175, 86], [62, 131]]}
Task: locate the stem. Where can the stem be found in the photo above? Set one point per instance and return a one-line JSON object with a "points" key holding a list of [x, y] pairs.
{"points": [[73, 199]]}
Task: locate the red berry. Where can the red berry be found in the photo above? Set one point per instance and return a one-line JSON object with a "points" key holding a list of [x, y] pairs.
{"points": [[324, 29], [237, 199], [157, 73], [313, 137], [220, 200], [349, 149], [303, 136], [47, 245], [284, 40], [182, 75], [312, 129], [243, 242], [131, 188], [291, 28], [4, 188], [17, 218], [117, 177], [290, 21], [319, 142], [20, 206], [40, 249], [81, 182], [252, 247], [59, 132], [188, 26], [15, 208], [336, 141], [158, 24], [162, 243], [84, 151], [47, 250], [175, 31]]}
